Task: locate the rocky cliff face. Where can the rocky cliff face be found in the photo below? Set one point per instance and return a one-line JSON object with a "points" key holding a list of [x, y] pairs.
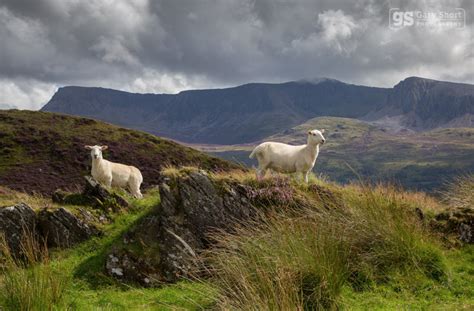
{"points": [[427, 104], [223, 116]]}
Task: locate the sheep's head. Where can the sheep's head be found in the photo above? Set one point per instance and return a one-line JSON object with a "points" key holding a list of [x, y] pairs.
{"points": [[316, 137], [96, 151]]}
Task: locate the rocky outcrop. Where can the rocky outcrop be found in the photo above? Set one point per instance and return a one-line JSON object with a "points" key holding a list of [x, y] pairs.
{"points": [[58, 227], [62, 228], [136, 258], [192, 207], [456, 222], [191, 210], [104, 198], [16, 222], [93, 194]]}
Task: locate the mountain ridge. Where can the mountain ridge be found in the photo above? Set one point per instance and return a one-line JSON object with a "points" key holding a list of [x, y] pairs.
{"points": [[253, 111]]}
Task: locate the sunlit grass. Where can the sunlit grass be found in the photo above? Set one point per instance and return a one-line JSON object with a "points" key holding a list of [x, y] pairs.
{"points": [[304, 259]]}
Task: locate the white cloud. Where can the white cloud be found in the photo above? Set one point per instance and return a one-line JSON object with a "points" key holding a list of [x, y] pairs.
{"points": [[156, 82], [168, 45], [25, 94], [338, 30], [113, 50]]}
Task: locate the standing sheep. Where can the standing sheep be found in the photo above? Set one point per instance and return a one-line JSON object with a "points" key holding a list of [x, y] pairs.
{"points": [[115, 174], [286, 158]]}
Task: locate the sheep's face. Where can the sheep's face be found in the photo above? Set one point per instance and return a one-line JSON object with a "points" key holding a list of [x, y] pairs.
{"points": [[96, 151], [316, 137]]}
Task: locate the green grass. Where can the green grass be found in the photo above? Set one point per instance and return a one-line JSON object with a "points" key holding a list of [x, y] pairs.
{"points": [[29, 281], [352, 248], [89, 288], [417, 292], [182, 296]]}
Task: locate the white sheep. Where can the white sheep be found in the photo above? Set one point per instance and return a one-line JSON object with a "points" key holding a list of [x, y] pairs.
{"points": [[115, 174], [287, 158]]}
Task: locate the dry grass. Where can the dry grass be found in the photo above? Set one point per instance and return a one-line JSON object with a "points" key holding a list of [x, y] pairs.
{"points": [[10, 197], [460, 193], [300, 260]]}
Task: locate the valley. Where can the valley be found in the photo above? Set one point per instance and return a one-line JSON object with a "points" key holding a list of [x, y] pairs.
{"points": [[358, 149]]}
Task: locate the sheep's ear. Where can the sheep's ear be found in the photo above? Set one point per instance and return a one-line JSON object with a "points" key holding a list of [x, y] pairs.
{"points": [[104, 147], [88, 147], [323, 130]]}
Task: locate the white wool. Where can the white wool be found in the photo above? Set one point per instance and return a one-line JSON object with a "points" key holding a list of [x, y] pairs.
{"points": [[115, 174], [287, 158]]}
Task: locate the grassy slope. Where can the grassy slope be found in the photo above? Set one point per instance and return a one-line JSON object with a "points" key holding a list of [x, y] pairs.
{"points": [[421, 161], [408, 293], [41, 151], [91, 289]]}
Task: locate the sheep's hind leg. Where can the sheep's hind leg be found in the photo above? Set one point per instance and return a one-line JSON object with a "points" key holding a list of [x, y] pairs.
{"points": [[137, 194], [134, 188], [108, 182]]}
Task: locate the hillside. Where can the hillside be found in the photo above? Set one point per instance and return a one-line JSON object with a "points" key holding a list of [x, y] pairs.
{"points": [[251, 112], [316, 246], [43, 151], [422, 161]]}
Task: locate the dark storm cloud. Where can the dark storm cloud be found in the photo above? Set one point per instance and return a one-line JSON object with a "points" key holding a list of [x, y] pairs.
{"points": [[167, 46]]}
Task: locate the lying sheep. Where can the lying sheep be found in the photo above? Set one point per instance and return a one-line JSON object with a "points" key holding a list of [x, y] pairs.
{"points": [[115, 174], [286, 158]]}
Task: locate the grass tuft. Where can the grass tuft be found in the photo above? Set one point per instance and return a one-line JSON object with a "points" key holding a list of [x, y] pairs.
{"points": [[30, 282], [302, 260], [460, 193]]}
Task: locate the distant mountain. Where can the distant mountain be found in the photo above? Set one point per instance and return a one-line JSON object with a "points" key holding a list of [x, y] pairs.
{"points": [[427, 104], [251, 112]]}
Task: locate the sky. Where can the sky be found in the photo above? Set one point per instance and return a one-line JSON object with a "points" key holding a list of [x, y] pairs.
{"points": [[166, 46]]}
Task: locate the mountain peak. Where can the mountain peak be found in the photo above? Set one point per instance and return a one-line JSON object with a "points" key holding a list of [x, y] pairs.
{"points": [[317, 80]]}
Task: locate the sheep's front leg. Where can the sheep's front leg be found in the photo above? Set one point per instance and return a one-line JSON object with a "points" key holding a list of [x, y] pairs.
{"points": [[260, 173], [306, 176], [108, 182]]}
